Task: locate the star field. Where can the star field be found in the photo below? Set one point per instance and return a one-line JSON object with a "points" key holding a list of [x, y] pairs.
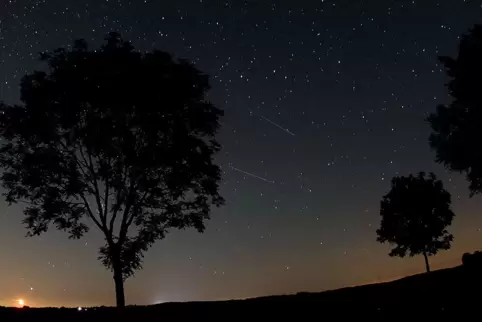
{"points": [[324, 103]]}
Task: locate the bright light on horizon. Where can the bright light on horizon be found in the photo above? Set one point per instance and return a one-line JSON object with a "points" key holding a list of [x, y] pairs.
{"points": [[21, 302]]}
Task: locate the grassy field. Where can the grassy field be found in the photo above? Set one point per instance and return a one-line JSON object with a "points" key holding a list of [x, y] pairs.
{"points": [[449, 294]]}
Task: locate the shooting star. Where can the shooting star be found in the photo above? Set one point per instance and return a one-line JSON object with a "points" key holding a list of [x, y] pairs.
{"points": [[277, 125], [251, 175]]}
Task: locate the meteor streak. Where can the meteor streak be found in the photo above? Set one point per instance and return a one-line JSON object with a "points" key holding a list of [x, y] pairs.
{"points": [[277, 125], [251, 175]]}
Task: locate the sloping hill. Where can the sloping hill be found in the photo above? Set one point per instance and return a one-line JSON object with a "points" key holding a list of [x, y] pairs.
{"points": [[444, 285], [444, 294]]}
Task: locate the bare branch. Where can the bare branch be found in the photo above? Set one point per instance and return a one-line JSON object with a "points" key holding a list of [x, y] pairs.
{"points": [[80, 166], [134, 213], [118, 202], [91, 214], [97, 192], [123, 228], [72, 153]]}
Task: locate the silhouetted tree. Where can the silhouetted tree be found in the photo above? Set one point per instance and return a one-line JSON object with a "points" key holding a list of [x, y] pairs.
{"points": [[117, 137], [415, 216], [472, 260], [457, 128]]}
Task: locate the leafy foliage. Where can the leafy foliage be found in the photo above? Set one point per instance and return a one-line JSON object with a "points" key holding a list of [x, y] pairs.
{"points": [[415, 216], [116, 137], [473, 260], [457, 128]]}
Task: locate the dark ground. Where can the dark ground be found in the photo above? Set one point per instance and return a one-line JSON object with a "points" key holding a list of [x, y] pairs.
{"points": [[449, 294]]}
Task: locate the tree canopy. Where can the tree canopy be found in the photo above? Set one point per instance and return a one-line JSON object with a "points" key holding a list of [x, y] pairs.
{"points": [[415, 216], [115, 139], [457, 127]]}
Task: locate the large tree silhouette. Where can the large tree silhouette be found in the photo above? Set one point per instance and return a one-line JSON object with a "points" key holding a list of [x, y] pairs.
{"points": [[457, 127], [115, 139], [415, 216]]}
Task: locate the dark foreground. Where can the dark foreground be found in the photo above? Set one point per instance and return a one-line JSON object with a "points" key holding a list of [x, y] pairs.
{"points": [[449, 294]]}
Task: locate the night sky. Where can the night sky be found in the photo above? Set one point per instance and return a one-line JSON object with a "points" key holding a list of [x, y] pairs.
{"points": [[324, 102]]}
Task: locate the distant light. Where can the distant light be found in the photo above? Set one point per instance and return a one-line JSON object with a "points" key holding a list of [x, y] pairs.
{"points": [[21, 302], [79, 309]]}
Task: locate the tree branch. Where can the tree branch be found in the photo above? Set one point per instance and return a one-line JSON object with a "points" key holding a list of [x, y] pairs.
{"points": [[134, 213], [126, 220], [96, 185], [123, 228], [118, 202], [80, 166], [102, 215], [91, 214], [72, 153]]}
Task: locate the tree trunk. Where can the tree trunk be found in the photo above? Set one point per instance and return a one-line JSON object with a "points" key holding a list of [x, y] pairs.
{"points": [[119, 286], [427, 266]]}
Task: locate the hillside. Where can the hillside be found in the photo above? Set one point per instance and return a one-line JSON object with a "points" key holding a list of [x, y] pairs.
{"points": [[441, 293]]}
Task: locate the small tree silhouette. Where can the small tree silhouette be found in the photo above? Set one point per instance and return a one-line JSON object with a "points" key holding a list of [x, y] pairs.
{"points": [[118, 138], [472, 260], [415, 216], [457, 128]]}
